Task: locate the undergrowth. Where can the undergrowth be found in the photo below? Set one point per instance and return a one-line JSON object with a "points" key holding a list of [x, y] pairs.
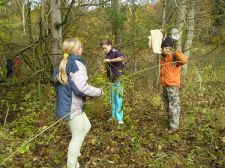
{"points": [[142, 141]]}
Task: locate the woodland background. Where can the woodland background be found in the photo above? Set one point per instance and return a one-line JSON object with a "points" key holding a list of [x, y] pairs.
{"points": [[34, 30]]}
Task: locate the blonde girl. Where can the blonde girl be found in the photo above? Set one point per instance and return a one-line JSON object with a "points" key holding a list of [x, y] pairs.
{"points": [[72, 89]]}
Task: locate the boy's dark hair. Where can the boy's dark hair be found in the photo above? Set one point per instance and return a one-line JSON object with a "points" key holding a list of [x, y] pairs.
{"points": [[106, 42], [167, 42]]}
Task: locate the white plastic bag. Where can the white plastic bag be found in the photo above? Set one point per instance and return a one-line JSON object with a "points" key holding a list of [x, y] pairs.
{"points": [[156, 40]]}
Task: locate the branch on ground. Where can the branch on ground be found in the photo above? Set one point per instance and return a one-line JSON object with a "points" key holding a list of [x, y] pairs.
{"points": [[24, 80]]}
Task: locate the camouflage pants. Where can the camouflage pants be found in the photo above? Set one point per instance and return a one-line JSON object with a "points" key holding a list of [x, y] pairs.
{"points": [[172, 105]]}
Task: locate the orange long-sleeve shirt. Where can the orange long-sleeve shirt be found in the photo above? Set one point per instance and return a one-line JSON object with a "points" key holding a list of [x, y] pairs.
{"points": [[170, 73]]}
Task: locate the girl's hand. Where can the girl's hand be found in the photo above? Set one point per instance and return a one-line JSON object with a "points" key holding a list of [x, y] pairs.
{"points": [[98, 96], [106, 60]]}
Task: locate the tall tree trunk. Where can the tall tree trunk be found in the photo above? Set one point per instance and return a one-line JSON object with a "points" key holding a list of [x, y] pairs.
{"points": [[181, 15], [56, 18], [29, 22], [190, 32], [134, 33], [164, 13], [115, 22]]}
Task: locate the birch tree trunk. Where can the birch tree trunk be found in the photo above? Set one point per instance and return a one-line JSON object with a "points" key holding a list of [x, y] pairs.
{"points": [[164, 13], [181, 15], [190, 32], [56, 18]]}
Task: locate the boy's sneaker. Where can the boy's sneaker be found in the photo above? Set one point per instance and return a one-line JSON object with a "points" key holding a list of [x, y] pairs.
{"points": [[120, 122]]}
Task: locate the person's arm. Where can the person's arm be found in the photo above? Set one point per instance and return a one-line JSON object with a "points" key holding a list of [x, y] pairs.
{"points": [[119, 58], [181, 58], [79, 78]]}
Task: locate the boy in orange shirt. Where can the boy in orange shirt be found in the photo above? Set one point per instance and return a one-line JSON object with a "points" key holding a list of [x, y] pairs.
{"points": [[170, 72]]}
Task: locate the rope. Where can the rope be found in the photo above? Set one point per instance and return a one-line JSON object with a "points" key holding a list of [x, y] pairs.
{"points": [[87, 48], [37, 135]]}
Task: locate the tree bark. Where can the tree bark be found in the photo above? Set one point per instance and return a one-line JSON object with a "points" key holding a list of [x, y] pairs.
{"points": [[29, 22], [133, 33], [115, 22], [181, 15], [190, 32], [164, 13], [56, 31]]}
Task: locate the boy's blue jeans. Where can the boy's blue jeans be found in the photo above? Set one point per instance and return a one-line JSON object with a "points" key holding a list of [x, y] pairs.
{"points": [[117, 101]]}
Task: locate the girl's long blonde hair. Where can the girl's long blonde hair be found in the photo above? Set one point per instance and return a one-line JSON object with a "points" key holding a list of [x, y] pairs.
{"points": [[69, 46]]}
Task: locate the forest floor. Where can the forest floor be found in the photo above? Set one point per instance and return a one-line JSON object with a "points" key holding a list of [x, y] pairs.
{"points": [[143, 139]]}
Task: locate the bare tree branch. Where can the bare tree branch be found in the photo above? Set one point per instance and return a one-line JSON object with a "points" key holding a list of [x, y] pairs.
{"points": [[24, 80], [66, 16], [70, 7]]}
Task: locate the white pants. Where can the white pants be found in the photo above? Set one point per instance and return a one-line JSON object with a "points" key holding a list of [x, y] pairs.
{"points": [[79, 127]]}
